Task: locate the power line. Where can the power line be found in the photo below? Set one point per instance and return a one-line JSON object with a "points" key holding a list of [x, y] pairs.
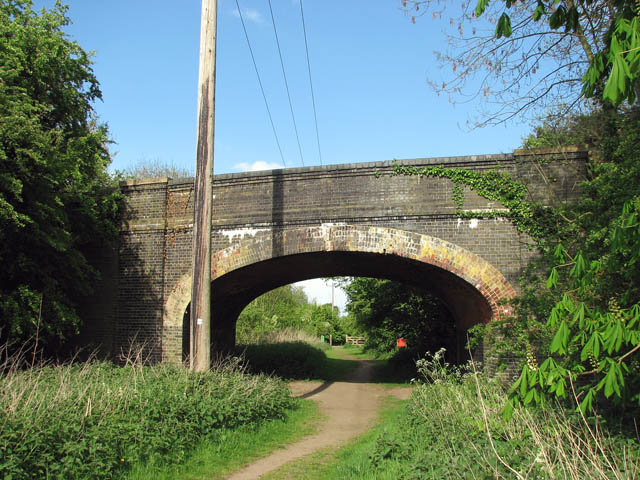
{"points": [[264, 96], [286, 84], [313, 97]]}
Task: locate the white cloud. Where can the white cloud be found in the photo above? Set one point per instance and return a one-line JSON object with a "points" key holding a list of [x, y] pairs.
{"points": [[257, 166], [250, 14], [320, 292]]}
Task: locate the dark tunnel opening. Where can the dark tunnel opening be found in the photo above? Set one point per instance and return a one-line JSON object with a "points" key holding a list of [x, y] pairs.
{"points": [[232, 292]]}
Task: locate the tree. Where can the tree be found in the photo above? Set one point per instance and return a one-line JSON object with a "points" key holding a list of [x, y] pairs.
{"points": [[580, 326], [326, 321], [387, 310], [593, 355], [56, 198], [147, 168], [278, 309], [530, 56]]}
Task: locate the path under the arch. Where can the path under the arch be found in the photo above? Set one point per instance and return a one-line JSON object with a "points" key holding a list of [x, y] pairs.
{"points": [[350, 407]]}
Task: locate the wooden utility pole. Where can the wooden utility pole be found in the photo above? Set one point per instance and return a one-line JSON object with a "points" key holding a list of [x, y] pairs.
{"points": [[201, 291]]}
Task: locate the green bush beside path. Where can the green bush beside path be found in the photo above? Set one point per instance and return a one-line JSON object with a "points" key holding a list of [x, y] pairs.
{"points": [[96, 420]]}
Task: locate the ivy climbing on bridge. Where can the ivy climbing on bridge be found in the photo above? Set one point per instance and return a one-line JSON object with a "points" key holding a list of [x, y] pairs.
{"points": [[527, 216]]}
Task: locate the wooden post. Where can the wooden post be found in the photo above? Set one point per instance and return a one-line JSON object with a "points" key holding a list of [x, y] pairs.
{"points": [[201, 291]]}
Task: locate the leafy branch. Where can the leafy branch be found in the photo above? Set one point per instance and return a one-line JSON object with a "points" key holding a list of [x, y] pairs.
{"points": [[598, 345]]}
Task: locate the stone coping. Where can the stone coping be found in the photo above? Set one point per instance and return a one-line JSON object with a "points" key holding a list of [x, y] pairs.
{"points": [[478, 160]]}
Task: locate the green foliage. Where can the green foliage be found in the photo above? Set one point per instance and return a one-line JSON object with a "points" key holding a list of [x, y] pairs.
{"points": [[56, 199], [399, 366], [594, 349], [147, 168], [511, 340], [435, 369], [387, 310], [287, 308], [529, 217], [280, 309], [558, 130], [226, 450], [456, 416], [588, 308], [588, 323], [621, 62], [327, 322], [96, 420], [299, 360], [613, 72]]}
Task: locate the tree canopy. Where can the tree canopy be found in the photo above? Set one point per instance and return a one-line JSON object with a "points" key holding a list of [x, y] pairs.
{"points": [[529, 56], [56, 197], [577, 322], [387, 310], [288, 308], [148, 168], [281, 308]]}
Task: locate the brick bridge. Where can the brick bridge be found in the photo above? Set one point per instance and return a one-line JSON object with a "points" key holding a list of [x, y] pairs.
{"points": [[276, 227]]}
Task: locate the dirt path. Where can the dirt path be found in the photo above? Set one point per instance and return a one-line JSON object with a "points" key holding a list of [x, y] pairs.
{"points": [[350, 407]]}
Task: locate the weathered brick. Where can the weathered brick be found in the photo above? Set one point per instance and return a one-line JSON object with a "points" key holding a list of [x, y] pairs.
{"points": [[276, 227]]}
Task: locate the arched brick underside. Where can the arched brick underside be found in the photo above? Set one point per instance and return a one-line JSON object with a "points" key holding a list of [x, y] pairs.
{"points": [[470, 287]]}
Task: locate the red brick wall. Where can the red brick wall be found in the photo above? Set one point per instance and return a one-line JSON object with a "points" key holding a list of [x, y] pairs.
{"points": [[272, 228]]}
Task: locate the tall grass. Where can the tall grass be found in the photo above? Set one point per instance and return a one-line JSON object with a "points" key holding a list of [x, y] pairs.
{"points": [[452, 428], [283, 336], [542, 443], [288, 353], [95, 419]]}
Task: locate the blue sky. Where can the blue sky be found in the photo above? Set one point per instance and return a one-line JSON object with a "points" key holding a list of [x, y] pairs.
{"points": [[369, 64]]}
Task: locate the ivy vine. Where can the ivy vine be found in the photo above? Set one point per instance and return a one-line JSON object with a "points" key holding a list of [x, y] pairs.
{"points": [[457, 194], [528, 217]]}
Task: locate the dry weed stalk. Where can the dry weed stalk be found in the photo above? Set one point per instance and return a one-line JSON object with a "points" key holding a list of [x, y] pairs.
{"points": [[283, 336], [560, 448]]}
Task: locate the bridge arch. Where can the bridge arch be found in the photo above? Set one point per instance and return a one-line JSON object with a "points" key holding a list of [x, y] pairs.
{"points": [[260, 260]]}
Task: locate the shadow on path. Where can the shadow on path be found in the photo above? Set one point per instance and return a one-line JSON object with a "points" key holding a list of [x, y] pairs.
{"points": [[318, 389], [350, 407]]}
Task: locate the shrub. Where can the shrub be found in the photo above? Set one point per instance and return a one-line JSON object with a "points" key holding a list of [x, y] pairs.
{"points": [[284, 335], [292, 359], [456, 415], [94, 420]]}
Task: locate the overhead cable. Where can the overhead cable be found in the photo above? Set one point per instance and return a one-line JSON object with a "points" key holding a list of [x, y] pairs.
{"points": [[313, 97], [286, 84], [264, 96]]}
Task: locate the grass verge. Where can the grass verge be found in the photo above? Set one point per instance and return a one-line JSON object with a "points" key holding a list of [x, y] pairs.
{"points": [[229, 450], [453, 428], [96, 420], [332, 463]]}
